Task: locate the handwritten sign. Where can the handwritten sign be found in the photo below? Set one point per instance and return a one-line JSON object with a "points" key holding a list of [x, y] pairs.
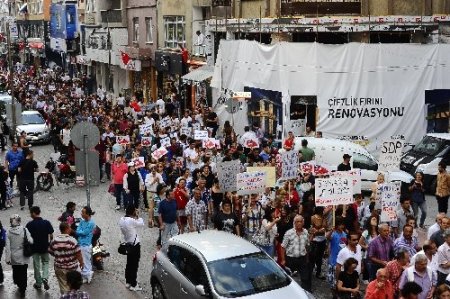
{"points": [[146, 129], [123, 140], [165, 122], [355, 174], [289, 165], [226, 173], [389, 194], [200, 134], [185, 131], [391, 153], [270, 174], [51, 87], [210, 143], [139, 162], [297, 127], [251, 143], [251, 182], [165, 142], [146, 141], [334, 191], [159, 153]]}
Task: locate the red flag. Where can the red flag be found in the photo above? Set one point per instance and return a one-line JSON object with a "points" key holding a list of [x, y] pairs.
{"points": [[125, 58]]}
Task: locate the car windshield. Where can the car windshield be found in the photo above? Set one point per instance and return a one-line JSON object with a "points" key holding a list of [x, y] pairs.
{"points": [[364, 162], [246, 275], [429, 145], [32, 119]]}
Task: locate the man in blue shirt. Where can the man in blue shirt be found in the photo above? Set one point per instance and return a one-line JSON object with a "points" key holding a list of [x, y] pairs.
{"points": [[338, 240], [168, 223], [12, 161], [85, 232]]}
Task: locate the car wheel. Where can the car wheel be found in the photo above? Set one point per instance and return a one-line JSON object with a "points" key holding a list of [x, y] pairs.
{"points": [[157, 291]]}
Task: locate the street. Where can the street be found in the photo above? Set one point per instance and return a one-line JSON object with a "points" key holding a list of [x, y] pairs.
{"points": [[111, 282]]}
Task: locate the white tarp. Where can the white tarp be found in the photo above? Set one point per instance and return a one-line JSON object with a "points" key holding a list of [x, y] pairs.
{"points": [[371, 90]]}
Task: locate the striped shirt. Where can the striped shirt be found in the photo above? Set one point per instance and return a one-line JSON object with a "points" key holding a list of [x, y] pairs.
{"points": [[409, 245], [295, 243], [65, 249]]}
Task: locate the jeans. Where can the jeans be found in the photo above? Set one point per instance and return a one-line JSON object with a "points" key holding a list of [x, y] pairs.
{"points": [[423, 210], [442, 204], [26, 190], [38, 259], [170, 230], [132, 199], [12, 174], [132, 266], [86, 252], [119, 193], [19, 274]]}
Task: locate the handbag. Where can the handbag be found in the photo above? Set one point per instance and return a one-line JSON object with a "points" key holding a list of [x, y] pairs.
{"points": [[261, 238], [124, 247], [111, 189], [27, 250]]}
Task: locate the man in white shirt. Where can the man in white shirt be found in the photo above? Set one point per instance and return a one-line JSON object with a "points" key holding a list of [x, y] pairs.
{"points": [[101, 92], [184, 122], [128, 226], [247, 136], [200, 43], [430, 250], [65, 138], [353, 249], [160, 106], [108, 133], [152, 180], [443, 258], [436, 226], [120, 101], [191, 156]]}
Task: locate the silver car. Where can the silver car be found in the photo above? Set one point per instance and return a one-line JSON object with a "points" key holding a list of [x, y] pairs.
{"points": [[35, 126], [216, 264]]}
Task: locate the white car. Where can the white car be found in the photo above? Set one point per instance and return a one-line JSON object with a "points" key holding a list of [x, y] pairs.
{"points": [[216, 264], [35, 126]]}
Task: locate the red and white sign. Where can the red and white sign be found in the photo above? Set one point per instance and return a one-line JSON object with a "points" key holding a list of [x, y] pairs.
{"points": [[123, 140], [139, 162], [210, 143], [251, 143], [146, 141], [159, 153]]}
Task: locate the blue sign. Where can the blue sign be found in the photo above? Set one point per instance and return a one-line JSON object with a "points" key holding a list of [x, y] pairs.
{"points": [[63, 21]]}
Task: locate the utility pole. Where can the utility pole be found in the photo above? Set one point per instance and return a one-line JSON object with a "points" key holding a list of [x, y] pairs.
{"points": [[11, 80]]}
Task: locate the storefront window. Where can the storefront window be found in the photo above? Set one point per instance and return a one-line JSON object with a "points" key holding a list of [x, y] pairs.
{"points": [[174, 31]]}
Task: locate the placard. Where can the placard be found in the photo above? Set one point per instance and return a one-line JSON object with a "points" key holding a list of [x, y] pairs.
{"points": [[186, 131], [334, 191], [123, 140], [355, 174], [226, 173], [251, 182], [200, 134], [289, 165], [146, 129], [210, 143], [297, 127], [165, 122], [51, 87], [165, 142], [270, 174], [251, 143], [159, 153], [146, 141], [389, 194], [391, 154], [139, 162]]}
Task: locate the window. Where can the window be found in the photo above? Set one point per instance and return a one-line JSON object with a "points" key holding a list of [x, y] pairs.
{"points": [[40, 8], [174, 27], [90, 6], [363, 162], [135, 30], [189, 265], [148, 30]]}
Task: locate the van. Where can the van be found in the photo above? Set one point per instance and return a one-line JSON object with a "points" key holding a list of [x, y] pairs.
{"points": [[329, 152], [425, 157]]}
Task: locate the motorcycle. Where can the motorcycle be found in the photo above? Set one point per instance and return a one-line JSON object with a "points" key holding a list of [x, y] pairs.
{"points": [[60, 169]]}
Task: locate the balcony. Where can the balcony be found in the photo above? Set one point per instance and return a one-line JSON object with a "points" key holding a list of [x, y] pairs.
{"points": [[111, 16], [221, 3], [320, 7]]}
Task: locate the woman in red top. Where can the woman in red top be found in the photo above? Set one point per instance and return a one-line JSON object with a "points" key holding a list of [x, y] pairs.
{"points": [[289, 142], [182, 197]]}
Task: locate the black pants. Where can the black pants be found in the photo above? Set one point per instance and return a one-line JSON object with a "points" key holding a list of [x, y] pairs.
{"points": [[442, 204], [19, 273], [2, 197], [26, 189], [12, 174], [301, 265], [108, 170], [441, 278], [1, 269], [132, 266], [317, 252]]}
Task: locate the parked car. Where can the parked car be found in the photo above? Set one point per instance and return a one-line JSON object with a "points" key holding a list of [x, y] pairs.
{"points": [[215, 264], [425, 157], [35, 126], [329, 151]]}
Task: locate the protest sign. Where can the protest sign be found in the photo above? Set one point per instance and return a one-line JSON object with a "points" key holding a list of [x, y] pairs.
{"points": [[251, 143], [355, 174], [51, 87], [186, 131], [165, 122], [210, 143], [251, 182], [146, 141], [389, 195], [138, 162], [174, 135], [200, 134], [226, 173], [297, 127], [123, 140], [146, 129], [165, 142], [289, 165], [391, 154], [270, 174], [159, 153], [334, 191]]}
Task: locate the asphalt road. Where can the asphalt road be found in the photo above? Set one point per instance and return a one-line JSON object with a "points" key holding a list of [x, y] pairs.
{"points": [[110, 283]]}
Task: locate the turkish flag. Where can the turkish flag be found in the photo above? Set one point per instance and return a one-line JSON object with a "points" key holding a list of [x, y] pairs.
{"points": [[125, 58]]}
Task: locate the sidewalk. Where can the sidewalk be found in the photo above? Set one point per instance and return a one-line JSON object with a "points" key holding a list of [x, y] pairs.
{"points": [[103, 285]]}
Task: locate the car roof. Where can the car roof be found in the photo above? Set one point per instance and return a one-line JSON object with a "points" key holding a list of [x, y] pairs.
{"points": [[215, 245], [349, 146], [30, 112], [445, 136]]}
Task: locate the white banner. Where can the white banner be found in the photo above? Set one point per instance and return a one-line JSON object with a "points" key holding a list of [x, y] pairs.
{"points": [[200, 134], [226, 173], [251, 182], [334, 191], [297, 127], [389, 193], [355, 174], [373, 90], [391, 154], [289, 165]]}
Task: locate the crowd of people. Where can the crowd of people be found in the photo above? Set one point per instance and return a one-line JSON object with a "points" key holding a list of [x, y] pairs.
{"points": [[148, 154]]}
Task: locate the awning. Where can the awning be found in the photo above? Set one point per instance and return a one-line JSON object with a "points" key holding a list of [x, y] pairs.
{"points": [[199, 75]]}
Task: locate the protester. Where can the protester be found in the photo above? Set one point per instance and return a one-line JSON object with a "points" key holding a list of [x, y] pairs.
{"points": [[380, 251], [348, 280], [167, 213], [196, 212], [85, 233], [118, 171], [226, 220], [410, 290], [3, 237], [26, 170], [418, 198], [13, 159], [443, 258], [395, 269], [133, 185], [422, 275], [380, 287]]}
